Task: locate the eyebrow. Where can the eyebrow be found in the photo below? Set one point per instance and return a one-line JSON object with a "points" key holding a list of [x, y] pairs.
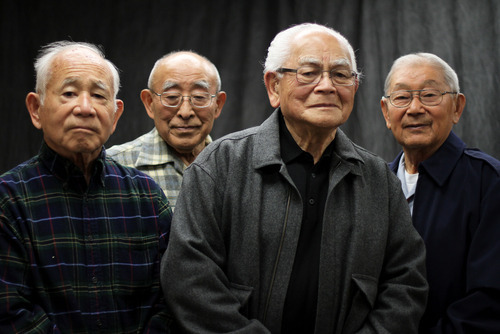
{"points": [[197, 84], [340, 62], [76, 80], [404, 86]]}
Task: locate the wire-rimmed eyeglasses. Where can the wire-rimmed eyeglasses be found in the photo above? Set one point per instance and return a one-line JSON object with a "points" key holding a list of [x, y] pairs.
{"points": [[428, 97], [173, 100], [311, 75]]}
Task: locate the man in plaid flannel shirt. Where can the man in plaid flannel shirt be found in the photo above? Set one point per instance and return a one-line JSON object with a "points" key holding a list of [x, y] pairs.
{"points": [[81, 236]]}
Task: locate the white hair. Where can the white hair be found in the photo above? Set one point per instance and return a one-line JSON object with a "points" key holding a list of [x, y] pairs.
{"points": [[280, 48], [174, 53], [43, 64], [422, 58]]}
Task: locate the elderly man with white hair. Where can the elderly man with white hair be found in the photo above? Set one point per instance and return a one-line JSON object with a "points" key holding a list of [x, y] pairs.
{"points": [[453, 192], [81, 236], [289, 227]]}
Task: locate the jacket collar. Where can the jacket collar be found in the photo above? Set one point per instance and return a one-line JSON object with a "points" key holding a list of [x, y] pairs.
{"points": [[449, 153], [267, 146]]}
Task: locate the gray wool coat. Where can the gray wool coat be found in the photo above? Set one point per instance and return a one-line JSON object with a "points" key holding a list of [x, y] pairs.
{"points": [[235, 231]]}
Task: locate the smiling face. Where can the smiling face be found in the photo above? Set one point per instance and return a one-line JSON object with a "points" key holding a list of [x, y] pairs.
{"points": [[185, 128], [417, 127], [78, 113], [313, 108]]}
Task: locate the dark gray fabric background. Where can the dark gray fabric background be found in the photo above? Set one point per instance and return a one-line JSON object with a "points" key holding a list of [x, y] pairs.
{"points": [[235, 35]]}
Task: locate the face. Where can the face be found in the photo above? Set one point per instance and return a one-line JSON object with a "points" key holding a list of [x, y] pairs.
{"points": [[185, 127], [418, 127], [79, 111], [313, 107]]}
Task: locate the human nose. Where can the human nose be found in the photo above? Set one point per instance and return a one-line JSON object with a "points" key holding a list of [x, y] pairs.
{"points": [[185, 109], [416, 104], [84, 105], [325, 82]]}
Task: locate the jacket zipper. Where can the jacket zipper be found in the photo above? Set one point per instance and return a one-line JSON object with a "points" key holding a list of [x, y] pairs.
{"points": [[268, 299]]}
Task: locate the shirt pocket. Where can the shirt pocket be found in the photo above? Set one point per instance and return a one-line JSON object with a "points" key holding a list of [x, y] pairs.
{"points": [[136, 261]]}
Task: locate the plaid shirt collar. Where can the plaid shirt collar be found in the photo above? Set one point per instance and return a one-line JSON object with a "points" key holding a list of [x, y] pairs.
{"points": [[157, 152], [66, 170]]}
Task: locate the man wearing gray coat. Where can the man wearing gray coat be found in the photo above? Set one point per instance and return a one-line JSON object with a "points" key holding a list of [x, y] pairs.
{"points": [[289, 227]]}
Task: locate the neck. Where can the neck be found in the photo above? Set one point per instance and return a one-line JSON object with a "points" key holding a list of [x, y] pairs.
{"points": [[189, 156], [84, 162], [313, 141], [413, 158]]}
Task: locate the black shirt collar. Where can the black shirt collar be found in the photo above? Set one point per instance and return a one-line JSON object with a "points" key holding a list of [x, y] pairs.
{"points": [[290, 150]]}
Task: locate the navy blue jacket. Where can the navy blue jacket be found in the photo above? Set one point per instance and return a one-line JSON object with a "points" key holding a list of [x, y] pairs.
{"points": [[457, 213]]}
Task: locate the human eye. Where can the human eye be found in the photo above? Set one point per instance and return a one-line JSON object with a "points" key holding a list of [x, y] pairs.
{"points": [[429, 94], [171, 97], [199, 97], [341, 74], [400, 97], [99, 96], [309, 71], [68, 94]]}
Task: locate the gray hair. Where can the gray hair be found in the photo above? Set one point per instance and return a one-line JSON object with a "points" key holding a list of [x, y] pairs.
{"points": [[422, 58], [47, 54], [280, 48], [174, 53]]}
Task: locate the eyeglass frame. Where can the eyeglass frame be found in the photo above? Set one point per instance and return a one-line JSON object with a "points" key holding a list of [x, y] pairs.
{"points": [[182, 99], [442, 93], [295, 70]]}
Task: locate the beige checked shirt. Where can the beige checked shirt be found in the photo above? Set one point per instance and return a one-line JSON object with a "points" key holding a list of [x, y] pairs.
{"points": [[151, 155]]}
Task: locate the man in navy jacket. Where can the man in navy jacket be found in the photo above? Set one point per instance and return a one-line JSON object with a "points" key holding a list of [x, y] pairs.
{"points": [[453, 192]]}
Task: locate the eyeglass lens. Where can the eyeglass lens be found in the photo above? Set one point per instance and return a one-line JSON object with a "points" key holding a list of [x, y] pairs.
{"points": [[429, 97], [175, 99], [312, 74]]}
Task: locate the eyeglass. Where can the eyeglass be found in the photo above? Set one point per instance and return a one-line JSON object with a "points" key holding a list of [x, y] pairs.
{"points": [[197, 100], [428, 97], [311, 75]]}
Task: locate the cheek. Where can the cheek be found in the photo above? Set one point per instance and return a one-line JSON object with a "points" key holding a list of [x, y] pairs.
{"points": [[205, 115], [165, 115]]}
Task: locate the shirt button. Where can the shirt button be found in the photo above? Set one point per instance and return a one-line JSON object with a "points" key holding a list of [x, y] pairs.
{"points": [[312, 201], [94, 279]]}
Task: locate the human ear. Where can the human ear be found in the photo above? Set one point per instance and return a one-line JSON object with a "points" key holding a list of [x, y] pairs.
{"points": [[459, 107], [118, 113], [33, 104], [147, 100], [385, 112], [272, 83], [221, 99]]}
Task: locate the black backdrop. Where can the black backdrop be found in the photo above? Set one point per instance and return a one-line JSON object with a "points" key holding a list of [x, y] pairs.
{"points": [[234, 34]]}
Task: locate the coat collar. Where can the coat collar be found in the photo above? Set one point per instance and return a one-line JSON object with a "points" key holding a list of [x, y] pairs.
{"points": [[450, 152], [266, 151]]}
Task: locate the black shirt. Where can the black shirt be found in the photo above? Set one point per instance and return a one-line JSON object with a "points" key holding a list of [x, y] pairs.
{"points": [[311, 180]]}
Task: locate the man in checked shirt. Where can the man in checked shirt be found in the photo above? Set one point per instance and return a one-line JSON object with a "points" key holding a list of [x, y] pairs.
{"points": [[183, 98], [80, 235]]}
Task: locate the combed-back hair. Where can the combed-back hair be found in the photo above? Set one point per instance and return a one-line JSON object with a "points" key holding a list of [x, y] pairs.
{"points": [[422, 58]]}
